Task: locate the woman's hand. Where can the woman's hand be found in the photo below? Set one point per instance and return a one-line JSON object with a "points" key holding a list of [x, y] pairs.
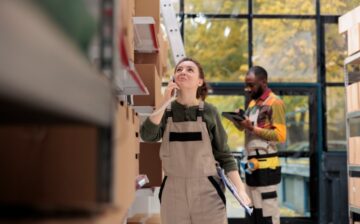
{"points": [[240, 186], [171, 87], [159, 112], [243, 195]]}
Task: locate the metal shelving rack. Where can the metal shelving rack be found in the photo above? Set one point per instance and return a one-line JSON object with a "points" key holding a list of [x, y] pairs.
{"points": [[353, 170]]}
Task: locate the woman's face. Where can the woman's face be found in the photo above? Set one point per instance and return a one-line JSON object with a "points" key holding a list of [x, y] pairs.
{"points": [[187, 75]]}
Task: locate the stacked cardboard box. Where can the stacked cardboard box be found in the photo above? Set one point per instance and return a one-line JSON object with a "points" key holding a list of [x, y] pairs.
{"points": [[152, 9], [144, 219], [149, 9], [111, 216], [354, 191], [126, 156], [353, 97], [350, 23], [354, 150], [150, 67], [70, 167], [163, 54], [152, 81], [150, 163], [127, 12], [51, 166], [159, 59]]}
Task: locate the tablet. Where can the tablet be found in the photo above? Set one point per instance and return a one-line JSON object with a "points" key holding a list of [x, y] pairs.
{"points": [[233, 116]]}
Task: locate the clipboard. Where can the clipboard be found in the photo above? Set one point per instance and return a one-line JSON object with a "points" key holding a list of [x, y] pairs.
{"points": [[233, 116], [233, 190]]}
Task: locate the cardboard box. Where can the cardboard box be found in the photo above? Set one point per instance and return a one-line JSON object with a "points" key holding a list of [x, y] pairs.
{"points": [[357, 151], [137, 141], [127, 12], [143, 218], [159, 59], [126, 159], [163, 54], [349, 20], [350, 23], [150, 163], [355, 96], [150, 58], [149, 8], [351, 190], [137, 219], [352, 150], [69, 166], [354, 191], [108, 217], [357, 106], [54, 166], [349, 106], [151, 80], [154, 219], [353, 36], [352, 97]]}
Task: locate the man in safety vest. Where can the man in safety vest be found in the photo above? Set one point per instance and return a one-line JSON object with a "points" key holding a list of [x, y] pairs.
{"points": [[264, 126]]}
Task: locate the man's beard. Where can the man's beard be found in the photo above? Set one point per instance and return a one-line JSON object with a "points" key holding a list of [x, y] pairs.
{"points": [[257, 94]]}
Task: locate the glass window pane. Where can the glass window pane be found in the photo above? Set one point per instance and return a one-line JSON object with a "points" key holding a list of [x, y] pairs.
{"points": [[229, 103], [335, 115], [335, 53], [216, 6], [294, 189], [235, 142], [297, 124], [286, 49], [337, 7], [284, 7], [297, 121], [219, 45]]}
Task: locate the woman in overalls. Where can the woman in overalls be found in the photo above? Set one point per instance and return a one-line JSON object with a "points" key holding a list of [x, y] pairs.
{"points": [[193, 142]]}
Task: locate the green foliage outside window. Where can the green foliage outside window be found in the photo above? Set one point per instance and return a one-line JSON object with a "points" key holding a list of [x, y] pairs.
{"points": [[284, 7], [337, 7], [216, 6], [220, 46]]}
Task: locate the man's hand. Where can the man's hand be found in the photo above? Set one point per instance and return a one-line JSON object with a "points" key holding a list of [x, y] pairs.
{"points": [[247, 124], [238, 125]]}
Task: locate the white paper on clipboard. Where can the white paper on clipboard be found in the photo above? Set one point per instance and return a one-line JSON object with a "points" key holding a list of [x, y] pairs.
{"points": [[233, 190]]}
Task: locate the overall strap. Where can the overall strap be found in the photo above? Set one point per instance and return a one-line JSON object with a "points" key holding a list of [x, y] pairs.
{"points": [[200, 111], [169, 112]]}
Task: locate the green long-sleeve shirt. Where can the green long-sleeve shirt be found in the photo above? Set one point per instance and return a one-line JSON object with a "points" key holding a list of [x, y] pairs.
{"points": [[151, 132]]}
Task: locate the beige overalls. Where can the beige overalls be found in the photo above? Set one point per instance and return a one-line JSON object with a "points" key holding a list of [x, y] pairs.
{"points": [[261, 185], [191, 192]]}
